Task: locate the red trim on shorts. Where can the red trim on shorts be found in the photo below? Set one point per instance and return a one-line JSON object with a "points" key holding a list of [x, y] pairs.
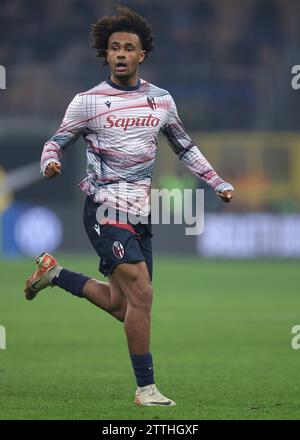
{"points": [[118, 225]]}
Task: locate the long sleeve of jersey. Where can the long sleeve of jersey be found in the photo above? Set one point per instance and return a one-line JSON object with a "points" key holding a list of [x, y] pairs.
{"points": [[72, 126], [188, 153]]}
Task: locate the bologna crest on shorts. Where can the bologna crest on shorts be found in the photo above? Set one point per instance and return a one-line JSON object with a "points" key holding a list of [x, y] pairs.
{"points": [[118, 249]]}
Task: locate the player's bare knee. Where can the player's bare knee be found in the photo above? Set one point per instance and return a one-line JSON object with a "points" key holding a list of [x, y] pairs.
{"points": [[141, 297]]}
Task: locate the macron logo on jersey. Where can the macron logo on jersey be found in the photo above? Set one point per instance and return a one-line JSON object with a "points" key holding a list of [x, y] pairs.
{"points": [[144, 121]]}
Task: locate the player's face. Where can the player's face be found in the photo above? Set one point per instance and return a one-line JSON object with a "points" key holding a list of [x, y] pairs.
{"points": [[124, 54]]}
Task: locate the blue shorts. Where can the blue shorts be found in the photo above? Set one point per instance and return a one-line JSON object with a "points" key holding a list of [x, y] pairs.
{"points": [[118, 243]]}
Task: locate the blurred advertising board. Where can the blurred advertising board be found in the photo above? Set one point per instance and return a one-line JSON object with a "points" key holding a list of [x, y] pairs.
{"points": [[250, 236]]}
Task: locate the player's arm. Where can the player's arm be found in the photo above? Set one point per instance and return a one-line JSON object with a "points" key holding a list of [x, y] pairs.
{"points": [[189, 154], [72, 126]]}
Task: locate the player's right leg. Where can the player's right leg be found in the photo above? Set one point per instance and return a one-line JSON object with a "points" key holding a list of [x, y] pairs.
{"points": [[47, 269], [107, 296]]}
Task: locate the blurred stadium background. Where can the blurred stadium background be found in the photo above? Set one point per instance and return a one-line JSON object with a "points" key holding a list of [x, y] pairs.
{"points": [[228, 65]]}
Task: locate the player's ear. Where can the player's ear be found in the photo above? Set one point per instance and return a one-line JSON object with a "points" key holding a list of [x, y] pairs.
{"points": [[142, 56]]}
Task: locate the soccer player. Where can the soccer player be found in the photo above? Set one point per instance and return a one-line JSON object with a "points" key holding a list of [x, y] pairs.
{"points": [[120, 120]]}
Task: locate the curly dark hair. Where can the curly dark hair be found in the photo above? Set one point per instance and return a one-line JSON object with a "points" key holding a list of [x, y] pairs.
{"points": [[127, 20]]}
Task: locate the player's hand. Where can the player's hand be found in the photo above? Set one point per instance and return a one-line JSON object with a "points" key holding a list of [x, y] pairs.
{"points": [[53, 169], [226, 196]]}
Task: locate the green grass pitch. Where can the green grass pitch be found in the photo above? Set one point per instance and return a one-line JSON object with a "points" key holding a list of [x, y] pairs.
{"points": [[221, 343]]}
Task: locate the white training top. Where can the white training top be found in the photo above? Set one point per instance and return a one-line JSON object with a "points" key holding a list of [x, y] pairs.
{"points": [[120, 127]]}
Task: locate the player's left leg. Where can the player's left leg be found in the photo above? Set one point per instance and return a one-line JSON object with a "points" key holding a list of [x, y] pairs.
{"points": [[135, 282]]}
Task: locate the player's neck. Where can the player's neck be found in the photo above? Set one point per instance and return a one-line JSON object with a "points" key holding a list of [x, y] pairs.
{"points": [[125, 82]]}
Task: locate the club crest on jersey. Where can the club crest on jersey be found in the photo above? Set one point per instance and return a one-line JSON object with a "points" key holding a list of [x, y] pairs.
{"points": [[151, 102], [118, 249], [108, 103]]}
